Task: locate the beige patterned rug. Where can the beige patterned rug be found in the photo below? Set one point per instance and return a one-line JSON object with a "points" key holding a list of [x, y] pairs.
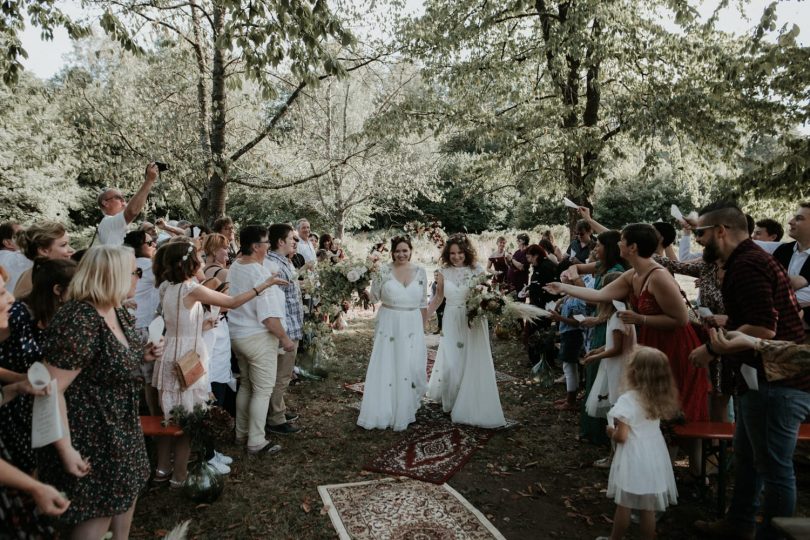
{"points": [[393, 509]]}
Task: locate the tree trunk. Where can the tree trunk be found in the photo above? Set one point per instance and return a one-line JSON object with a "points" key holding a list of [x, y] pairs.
{"points": [[203, 111], [217, 191]]}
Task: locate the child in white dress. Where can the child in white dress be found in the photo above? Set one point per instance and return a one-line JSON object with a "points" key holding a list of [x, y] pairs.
{"points": [[641, 476]]}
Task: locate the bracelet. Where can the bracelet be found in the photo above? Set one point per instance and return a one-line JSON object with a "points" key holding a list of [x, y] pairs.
{"points": [[643, 320], [256, 291]]}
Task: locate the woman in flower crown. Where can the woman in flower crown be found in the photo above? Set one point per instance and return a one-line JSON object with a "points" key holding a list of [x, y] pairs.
{"points": [[396, 378], [463, 377]]}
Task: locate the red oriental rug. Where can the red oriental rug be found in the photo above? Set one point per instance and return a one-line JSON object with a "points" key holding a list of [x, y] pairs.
{"points": [[359, 386], [403, 510], [431, 454]]}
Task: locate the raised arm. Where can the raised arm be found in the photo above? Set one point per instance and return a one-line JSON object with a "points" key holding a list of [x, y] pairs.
{"points": [[214, 298], [138, 201], [618, 289], [597, 227], [692, 268]]}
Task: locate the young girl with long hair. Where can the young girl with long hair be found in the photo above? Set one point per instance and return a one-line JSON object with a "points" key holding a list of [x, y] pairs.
{"points": [[641, 476]]}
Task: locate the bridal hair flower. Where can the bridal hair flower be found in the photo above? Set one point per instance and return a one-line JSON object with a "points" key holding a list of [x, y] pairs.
{"points": [[190, 249]]}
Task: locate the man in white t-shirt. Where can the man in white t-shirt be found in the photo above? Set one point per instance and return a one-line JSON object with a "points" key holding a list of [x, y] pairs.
{"points": [[118, 213], [305, 249]]}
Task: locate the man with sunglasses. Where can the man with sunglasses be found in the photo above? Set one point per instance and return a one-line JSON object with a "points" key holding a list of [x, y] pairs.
{"points": [[118, 213], [760, 302]]}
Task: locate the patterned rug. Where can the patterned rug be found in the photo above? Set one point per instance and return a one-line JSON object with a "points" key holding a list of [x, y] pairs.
{"points": [[393, 509], [431, 453], [359, 386], [504, 377]]}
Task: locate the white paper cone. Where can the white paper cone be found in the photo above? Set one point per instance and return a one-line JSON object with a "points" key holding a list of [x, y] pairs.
{"points": [[676, 212], [620, 306], [569, 203], [38, 376], [156, 330]]}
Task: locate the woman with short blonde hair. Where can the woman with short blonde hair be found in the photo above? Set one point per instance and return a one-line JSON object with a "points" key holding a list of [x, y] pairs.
{"points": [[104, 277]]}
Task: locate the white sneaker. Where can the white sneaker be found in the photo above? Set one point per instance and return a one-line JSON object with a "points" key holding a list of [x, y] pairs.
{"points": [[218, 466], [222, 458]]}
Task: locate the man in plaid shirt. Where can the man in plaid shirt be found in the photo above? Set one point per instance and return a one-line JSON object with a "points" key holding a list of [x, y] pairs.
{"points": [[282, 245], [760, 302]]}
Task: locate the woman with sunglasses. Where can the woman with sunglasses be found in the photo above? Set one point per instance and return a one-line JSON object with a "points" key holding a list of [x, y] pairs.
{"points": [[146, 304]]}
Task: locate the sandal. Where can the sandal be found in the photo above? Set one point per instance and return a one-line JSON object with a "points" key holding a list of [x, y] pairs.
{"points": [[161, 477], [176, 484]]}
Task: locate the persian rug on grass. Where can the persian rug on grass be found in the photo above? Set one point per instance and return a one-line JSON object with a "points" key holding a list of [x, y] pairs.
{"points": [[393, 509], [431, 453]]}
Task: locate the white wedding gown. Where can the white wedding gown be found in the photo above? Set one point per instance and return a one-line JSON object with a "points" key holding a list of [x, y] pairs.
{"points": [[463, 377], [396, 378]]}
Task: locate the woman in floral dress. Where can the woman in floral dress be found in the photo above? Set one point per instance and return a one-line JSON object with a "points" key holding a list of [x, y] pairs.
{"points": [[92, 348]]}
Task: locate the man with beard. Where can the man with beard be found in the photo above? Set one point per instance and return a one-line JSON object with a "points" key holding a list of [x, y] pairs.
{"points": [[759, 302]]}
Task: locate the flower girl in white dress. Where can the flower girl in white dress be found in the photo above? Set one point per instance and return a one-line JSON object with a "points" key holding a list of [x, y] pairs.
{"points": [[396, 379], [463, 377], [641, 475]]}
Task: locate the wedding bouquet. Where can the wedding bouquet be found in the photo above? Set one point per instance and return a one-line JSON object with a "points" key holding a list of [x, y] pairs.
{"points": [[344, 282], [497, 307]]}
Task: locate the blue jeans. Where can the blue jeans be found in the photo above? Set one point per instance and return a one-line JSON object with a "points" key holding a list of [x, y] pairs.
{"points": [[764, 441]]}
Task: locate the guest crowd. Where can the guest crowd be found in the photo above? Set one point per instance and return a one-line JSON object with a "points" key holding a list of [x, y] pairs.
{"points": [[620, 326]]}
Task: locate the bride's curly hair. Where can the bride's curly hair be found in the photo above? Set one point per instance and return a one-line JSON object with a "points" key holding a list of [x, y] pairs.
{"points": [[464, 244], [648, 372]]}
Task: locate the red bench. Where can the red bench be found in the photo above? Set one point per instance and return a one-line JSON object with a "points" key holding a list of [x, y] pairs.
{"points": [[723, 432], [153, 427]]}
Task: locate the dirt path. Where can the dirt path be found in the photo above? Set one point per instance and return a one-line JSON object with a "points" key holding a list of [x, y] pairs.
{"points": [[533, 482]]}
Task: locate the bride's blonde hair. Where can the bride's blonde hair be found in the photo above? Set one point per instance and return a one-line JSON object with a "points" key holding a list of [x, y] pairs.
{"points": [[649, 374]]}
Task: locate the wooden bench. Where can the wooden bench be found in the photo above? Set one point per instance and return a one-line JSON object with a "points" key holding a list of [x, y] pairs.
{"points": [[792, 528], [153, 427], [723, 433]]}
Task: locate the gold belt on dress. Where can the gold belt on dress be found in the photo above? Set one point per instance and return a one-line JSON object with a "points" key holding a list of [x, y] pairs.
{"points": [[400, 308]]}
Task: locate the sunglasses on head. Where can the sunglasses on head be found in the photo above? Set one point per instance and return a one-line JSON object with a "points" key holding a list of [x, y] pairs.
{"points": [[138, 272]]}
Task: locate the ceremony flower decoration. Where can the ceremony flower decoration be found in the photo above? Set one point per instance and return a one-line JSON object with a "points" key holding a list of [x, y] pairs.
{"points": [[433, 231], [497, 307]]}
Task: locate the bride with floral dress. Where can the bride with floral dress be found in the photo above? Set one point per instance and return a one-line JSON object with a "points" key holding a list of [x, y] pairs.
{"points": [[396, 378], [463, 377]]}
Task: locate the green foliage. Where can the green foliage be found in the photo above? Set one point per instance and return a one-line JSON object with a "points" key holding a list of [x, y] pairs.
{"points": [[38, 164], [635, 200], [40, 13]]}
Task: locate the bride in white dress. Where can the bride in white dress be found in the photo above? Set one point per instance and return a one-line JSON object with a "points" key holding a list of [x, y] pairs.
{"points": [[463, 377], [396, 378]]}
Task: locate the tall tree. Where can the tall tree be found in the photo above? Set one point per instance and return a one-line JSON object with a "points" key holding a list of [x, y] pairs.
{"points": [[234, 42], [368, 168], [547, 86]]}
